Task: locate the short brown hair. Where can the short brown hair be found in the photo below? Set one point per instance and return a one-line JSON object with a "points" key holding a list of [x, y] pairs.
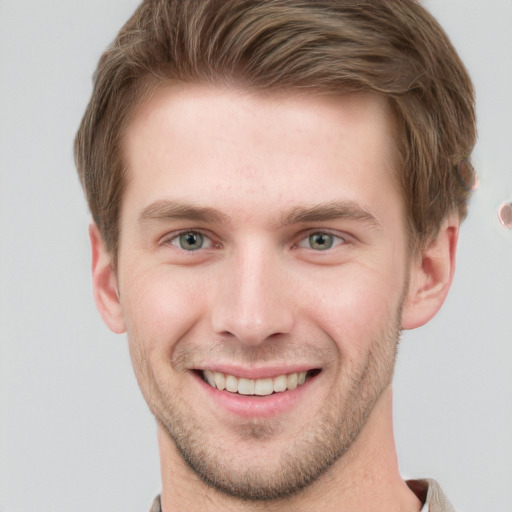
{"points": [[393, 48]]}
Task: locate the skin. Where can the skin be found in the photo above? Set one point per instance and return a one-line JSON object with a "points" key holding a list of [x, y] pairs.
{"points": [[252, 177]]}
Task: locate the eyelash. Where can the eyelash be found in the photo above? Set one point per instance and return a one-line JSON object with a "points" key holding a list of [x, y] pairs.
{"points": [[336, 240]]}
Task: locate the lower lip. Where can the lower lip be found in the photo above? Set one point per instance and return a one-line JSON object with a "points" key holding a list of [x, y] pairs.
{"points": [[249, 406]]}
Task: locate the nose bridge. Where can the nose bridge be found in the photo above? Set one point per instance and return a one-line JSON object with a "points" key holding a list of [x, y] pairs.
{"points": [[252, 302]]}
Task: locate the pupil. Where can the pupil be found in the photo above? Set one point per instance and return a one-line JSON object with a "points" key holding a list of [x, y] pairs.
{"points": [[321, 241], [191, 241]]}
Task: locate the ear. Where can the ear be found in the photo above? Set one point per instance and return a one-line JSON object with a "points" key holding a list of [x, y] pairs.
{"points": [[104, 283], [431, 275]]}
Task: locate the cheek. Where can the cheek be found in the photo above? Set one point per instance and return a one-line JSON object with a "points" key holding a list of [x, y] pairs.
{"points": [[358, 308], [160, 308]]}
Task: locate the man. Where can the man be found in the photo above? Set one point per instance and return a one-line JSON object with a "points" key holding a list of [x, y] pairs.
{"points": [[276, 188]]}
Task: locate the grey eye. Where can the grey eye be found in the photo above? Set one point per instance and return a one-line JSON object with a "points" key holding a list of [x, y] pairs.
{"points": [[321, 241], [189, 241]]}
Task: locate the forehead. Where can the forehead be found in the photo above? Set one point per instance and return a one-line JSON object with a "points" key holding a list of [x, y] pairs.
{"points": [[219, 147]]}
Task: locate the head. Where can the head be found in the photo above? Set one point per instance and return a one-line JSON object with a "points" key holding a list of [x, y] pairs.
{"points": [[262, 176], [395, 50]]}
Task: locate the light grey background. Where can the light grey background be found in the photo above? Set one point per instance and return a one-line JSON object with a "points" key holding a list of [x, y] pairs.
{"points": [[74, 431]]}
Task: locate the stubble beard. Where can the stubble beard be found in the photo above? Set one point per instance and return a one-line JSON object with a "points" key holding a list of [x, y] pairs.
{"points": [[328, 436]]}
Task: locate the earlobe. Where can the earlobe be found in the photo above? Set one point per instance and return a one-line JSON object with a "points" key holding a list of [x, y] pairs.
{"points": [[104, 281], [431, 275]]}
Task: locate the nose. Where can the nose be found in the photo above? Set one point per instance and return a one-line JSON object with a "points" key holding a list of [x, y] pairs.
{"points": [[253, 301]]}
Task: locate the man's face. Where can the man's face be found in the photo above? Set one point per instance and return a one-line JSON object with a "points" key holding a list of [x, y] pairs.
{"points": [[262, 248]]}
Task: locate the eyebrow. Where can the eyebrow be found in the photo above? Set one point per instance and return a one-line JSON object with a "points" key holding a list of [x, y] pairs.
{"points": [[172, 210], [164, 210], [330, 211]]}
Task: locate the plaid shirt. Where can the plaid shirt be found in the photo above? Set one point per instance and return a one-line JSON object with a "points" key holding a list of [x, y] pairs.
{"points": [[428, 491]]}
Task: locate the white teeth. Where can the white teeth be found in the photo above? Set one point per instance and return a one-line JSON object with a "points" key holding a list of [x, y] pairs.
{"points": [[220, 380], [209, 378], [280, 383], [260, 387], [231, 383], [245, 387], [263, 387], [291, 381]]}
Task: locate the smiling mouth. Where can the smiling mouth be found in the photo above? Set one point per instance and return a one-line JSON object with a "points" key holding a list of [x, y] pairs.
{"points": [[256, 387]]}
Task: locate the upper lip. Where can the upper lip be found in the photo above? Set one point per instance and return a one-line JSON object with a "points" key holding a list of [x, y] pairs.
{"points": [[257, 373]]}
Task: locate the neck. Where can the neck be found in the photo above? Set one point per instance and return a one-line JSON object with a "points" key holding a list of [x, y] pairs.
{"points": [[366, 478]]}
